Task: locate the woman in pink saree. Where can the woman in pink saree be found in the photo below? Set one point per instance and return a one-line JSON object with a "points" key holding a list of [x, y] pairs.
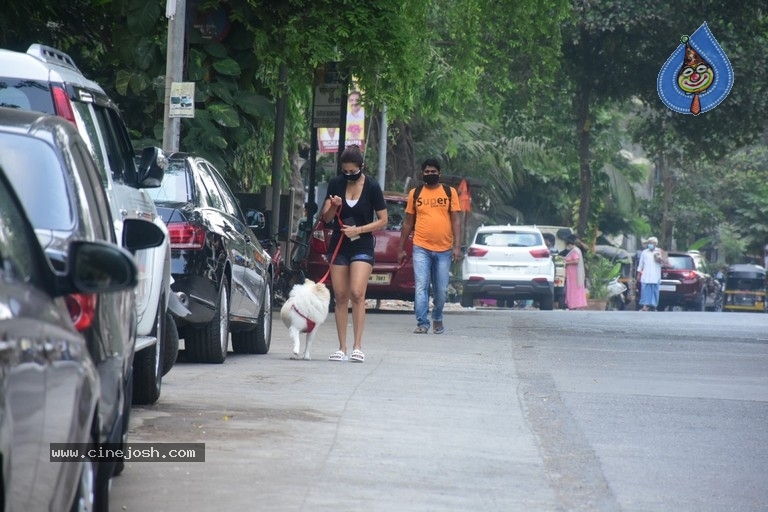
{"points": [[575, 288]]}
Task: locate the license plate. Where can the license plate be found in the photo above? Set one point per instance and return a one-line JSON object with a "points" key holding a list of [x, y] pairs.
{"points": [[508, 270], [667, 288], [379, 278]]}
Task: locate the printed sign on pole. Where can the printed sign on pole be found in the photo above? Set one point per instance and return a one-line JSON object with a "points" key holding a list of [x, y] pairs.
{"points": [[182, 99]]}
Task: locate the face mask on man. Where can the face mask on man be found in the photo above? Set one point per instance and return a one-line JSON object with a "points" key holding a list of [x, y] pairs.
{"points": [[651, 247], [354, 177], [430, 179]]}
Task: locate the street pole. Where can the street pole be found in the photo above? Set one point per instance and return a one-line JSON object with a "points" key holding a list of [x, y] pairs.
{"points": [[277, 148], [383, 147], [175, 11]]}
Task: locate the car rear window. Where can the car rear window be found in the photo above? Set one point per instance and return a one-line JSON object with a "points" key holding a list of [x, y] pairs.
{"points": [[175, 187], [681, 262], [30, 162], [26, 95], [509, 239]]}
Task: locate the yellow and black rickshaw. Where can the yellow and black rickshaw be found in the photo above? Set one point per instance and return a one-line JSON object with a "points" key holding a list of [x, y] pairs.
{"points": [[745, 288]]}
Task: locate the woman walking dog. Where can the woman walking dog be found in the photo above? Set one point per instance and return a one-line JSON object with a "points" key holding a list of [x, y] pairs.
{"points": [[352, 197]]}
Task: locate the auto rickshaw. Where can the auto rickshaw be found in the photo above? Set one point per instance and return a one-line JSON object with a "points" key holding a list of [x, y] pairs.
{"points": [[745, 288]]}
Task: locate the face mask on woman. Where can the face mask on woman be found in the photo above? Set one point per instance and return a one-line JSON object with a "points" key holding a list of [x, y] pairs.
{"points": [[354, 177]]}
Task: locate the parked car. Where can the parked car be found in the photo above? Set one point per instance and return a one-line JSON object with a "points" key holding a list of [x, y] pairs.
{"points": [[508, 263], [49, 385], [47, 80], [389, 279], [685, 282], [217, 263], [72, 206]]}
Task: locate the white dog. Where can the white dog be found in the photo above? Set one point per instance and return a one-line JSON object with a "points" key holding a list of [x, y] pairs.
{"points": [[304, 311]]}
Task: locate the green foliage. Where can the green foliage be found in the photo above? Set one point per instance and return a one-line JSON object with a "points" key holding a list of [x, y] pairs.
{"points": [[599, 272]]}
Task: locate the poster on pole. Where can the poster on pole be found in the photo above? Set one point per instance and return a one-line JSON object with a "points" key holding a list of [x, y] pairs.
{"points": [[328, 135], [182, 99]]}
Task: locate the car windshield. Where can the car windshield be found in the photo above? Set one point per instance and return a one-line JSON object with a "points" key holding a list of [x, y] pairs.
{"points": [[509, 239], [175, 188], [28, 162], [681, 262]]}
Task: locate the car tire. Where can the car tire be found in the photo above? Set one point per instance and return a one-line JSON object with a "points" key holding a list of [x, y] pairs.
{"points": [[170, 343], [467, 300], [208, 344], [546, 302], [259, 339], [148, 363], [85, 497]]}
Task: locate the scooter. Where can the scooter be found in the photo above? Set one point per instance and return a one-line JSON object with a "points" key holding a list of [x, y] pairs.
{"points": [[616, 299]]}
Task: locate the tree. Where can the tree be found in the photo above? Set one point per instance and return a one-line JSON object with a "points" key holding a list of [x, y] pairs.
{"points": [[610, 45]]}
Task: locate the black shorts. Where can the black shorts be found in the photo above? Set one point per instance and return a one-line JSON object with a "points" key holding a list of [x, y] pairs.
{"points": [[346, 259]]}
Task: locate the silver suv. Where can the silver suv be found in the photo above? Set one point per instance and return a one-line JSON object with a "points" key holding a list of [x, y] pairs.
{"points": [[47, 80], [508, 263]]}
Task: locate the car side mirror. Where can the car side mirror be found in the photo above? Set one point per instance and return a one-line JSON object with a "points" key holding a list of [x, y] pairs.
{"points": [[152, 166], [99, 267], [255, 219], [141, 234]]}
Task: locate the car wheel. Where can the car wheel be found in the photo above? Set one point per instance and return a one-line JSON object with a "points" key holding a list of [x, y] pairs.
{"points": [[170, 343], [148, 364], [257, 340], [467, 300], [208, 344], [546, 302], [85, 499]]}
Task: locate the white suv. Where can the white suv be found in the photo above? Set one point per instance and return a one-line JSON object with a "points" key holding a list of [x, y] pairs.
{"points": [[47, 80], [508, 263]]}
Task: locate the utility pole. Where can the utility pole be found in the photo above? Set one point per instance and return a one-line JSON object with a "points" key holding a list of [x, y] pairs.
{"points": [[383, 147], [175, 11], [277, 148]]}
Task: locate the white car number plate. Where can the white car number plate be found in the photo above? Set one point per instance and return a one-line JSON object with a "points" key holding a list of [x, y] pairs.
{"points": [[379, 278], [508, 270], [667, 288]]}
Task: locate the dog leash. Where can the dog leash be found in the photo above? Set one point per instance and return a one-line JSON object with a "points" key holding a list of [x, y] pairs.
{"points": [[336, 250]]}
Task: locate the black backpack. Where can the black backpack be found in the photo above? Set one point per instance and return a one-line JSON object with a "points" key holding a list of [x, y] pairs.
{"points": [[417, 192]]}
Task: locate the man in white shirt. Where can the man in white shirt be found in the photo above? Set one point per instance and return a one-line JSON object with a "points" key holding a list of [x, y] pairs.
{"points": [[649, 274]]}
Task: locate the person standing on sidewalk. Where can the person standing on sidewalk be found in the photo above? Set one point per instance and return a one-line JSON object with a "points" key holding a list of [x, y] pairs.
{"points": [[649, 274], [575, 278], [433, 215]]}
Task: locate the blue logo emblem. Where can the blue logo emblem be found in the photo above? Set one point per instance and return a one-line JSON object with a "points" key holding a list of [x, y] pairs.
{"points": [[697, 76]]}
